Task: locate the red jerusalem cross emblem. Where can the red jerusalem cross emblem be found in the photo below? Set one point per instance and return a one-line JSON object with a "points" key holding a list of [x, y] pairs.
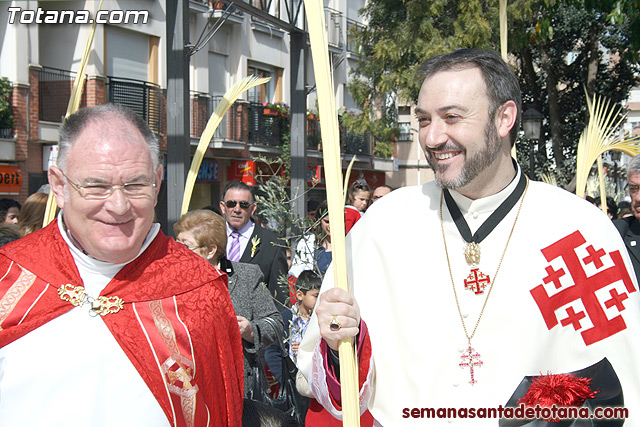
{"points": [[476, 281], [583, 289]]}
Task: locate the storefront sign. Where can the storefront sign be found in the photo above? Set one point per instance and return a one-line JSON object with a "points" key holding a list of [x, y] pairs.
{"points": [[242, 170], [208, 171], [10, 179]]}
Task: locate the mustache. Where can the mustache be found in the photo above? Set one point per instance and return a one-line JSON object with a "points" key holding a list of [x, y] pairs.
{"points": [[447, 146]]}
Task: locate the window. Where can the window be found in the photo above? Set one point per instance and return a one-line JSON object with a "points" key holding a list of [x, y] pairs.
{"points": [[127, 54], [217, 74], [262, 93], [405, 132]]}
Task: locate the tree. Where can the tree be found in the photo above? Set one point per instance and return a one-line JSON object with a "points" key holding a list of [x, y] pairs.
{"points": [[399, 36], [562, 49], [558, 46]]}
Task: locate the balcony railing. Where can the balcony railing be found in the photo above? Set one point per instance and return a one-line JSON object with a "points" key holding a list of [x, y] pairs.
{"points": [[234, 126], [146, 99], [266, 126], [6, 117], [314, 142], [355, 143], [6, 133], [352, 26], [333, 20], [54, 91], [350, 142]]}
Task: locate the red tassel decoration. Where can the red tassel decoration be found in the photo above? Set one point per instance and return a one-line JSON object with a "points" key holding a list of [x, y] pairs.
{"points": [[562, 390]]}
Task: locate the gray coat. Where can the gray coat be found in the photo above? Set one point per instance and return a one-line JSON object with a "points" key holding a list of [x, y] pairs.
{"points": [[251, 300]]}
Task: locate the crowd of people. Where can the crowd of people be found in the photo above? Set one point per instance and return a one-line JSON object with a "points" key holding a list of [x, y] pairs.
{"points": [[102, 309]]}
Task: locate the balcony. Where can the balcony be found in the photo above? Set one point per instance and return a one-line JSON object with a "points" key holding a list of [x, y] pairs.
{"points": [[234, 127], [146, 99], [352, 46], [350, 142], [54, 92], [333, 21], [267, 126]]}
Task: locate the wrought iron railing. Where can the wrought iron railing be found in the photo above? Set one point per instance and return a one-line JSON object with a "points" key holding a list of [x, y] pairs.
{"points": [[145, 98], [267, 126], [6, 116], [355, 143], [234, 125], [6, 133], [314, 142], [54, 91]]}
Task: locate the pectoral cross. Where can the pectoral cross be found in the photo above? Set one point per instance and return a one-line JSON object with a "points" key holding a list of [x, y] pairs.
{"points": [[471, 359]]}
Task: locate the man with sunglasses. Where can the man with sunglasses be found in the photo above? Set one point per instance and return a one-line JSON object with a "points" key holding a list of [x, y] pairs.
{"points": [[629, 227], [248, 242], [102, 309]]}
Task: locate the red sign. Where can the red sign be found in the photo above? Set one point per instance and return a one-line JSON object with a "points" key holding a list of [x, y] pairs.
{"points": [[242, 170], [10, 179], [314, 174]]}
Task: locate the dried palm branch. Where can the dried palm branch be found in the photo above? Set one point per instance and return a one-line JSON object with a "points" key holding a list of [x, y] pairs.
{"points": [[74, 104], [549, 178], [213, 123], [599, 136], [335, 198]]}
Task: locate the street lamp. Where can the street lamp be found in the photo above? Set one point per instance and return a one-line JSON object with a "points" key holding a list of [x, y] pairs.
{"points": [[532, 125]]}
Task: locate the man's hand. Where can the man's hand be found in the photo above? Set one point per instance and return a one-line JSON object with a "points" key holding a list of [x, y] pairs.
{"points": [[246, 331], [342, 305]]}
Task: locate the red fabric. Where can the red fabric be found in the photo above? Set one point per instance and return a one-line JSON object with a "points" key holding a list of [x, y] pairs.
{"points": [[351, 216], [317, 416], [292, 290], [166, 280], [563, 390]]}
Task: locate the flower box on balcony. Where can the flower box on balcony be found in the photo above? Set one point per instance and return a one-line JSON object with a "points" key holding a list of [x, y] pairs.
{"points": [[271, 112]]}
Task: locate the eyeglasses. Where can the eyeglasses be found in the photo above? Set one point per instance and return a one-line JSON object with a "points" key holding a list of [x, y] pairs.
{"points": [[134, 190], [243, 204], [633, 189], [189, 247]]}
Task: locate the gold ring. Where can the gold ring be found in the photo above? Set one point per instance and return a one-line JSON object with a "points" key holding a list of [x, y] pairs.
{"points": [[335, 325]]}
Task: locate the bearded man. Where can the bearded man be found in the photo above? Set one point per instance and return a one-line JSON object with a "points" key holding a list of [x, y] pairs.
{"points": [[485, 283]]}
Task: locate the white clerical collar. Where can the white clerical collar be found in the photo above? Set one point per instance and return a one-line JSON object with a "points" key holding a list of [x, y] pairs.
{"points": [[81, 256], [485, 204]]}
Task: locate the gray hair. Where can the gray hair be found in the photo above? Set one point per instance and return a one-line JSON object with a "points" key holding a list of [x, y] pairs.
{"points": [[77, 122], [502, 84], [633, 166]]}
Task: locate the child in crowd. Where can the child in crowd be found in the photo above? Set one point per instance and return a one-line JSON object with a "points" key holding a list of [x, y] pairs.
{"points": [[357, 202], [297, 318]]}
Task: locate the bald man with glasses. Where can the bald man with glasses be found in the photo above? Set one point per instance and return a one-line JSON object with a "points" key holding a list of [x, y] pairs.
{"points": [[248, 242], [102, 309]]}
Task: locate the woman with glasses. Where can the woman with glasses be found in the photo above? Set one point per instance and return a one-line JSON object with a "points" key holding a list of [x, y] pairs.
{"points": [[204, 232]]}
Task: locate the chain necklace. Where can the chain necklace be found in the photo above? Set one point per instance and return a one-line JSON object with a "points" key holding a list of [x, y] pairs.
{"points": [[477, 281], [470, 357]]}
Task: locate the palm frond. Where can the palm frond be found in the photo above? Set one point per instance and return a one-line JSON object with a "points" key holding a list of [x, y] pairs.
{"points": [[214, 121]]}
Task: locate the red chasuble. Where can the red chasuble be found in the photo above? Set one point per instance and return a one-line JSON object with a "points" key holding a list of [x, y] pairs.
{"points": [[177, 326]]}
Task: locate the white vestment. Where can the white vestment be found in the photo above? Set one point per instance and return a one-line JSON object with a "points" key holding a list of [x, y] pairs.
{"points": [[71, 371], [402, 284]]}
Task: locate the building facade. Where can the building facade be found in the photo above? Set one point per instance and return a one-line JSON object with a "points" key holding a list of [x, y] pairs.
{"points": [[42, 44]]}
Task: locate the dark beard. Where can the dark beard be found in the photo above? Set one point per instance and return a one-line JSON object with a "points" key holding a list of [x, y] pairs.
{"points": [[472, 166]]}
